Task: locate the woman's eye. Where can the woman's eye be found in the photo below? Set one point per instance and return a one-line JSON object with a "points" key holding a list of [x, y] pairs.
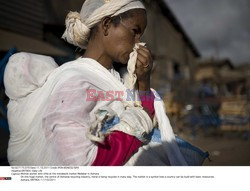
{"points": [[135, 31]]}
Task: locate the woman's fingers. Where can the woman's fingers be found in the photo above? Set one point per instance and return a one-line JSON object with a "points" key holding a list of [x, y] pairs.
{"points": [[143, 62], [142, 59], [144, 56], [143, 68], [144, 50], [139, 63]]}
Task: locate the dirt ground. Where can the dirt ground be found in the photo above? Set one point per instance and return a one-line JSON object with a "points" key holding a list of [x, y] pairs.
{"points": [[226, 149]]}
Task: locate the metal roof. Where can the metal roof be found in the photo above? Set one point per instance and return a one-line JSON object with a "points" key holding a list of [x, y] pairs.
{"points": [[24, 17]]}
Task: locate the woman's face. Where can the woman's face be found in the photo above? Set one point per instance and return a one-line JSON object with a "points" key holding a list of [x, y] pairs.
{"points": [[121, 39]]}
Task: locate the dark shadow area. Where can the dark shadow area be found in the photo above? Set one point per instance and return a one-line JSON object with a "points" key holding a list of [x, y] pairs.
{"points": [[4, 139]]}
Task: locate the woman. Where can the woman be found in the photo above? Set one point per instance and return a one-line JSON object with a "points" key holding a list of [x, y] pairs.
{"points": [[79, 113]]}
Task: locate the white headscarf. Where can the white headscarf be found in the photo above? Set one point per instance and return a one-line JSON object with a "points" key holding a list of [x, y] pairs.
{"points": [[78, 25]]}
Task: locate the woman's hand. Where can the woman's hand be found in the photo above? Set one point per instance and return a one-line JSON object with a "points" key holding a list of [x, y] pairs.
{"points": [[143, 69]]}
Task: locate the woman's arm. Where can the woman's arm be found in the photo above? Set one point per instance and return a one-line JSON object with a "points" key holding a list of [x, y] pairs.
{"points": [[144, 65]]}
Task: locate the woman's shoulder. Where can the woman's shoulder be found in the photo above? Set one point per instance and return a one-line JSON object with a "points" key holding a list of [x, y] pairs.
{"points": [[79, 65], [77, 73], [85, 68]]}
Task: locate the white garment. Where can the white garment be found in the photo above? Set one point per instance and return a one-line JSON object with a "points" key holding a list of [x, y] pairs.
{"points": [[49, 125]]}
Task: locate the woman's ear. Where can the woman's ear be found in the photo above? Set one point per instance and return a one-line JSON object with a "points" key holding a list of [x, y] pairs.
{"points": [[106, 24]]}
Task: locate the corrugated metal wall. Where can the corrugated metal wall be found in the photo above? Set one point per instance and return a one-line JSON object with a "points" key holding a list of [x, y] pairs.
{"points": [[23, 16]]}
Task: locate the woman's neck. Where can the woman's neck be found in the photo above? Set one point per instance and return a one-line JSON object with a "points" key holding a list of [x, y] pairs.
{"points": [[95, 51]]}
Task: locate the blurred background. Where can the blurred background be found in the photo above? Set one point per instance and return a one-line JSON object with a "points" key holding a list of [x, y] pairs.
{"points": [[201, 65]]}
